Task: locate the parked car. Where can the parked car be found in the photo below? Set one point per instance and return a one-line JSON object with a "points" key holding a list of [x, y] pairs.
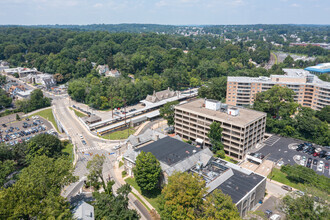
{"points": [[300, 147], [308, 144], [280, 163], [268, 213], [326, 166], [288, 188], [322, 153], [300, 193], [315, 161], [302, 163], [4, 125]]}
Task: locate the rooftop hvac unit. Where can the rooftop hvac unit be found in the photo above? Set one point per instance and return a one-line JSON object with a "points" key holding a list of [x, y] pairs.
{"points": [[233, 111]]}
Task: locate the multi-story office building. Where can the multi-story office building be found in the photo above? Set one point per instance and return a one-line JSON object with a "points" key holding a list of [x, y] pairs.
{"points": [[309, 90], [242, 128]]}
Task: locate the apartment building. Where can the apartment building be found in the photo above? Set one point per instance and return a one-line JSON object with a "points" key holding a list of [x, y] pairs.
{"points": [[242, 128], [309, 90]]}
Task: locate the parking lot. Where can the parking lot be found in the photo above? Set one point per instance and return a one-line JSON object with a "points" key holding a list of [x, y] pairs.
{"points": [[19, 131], [284, 149]]}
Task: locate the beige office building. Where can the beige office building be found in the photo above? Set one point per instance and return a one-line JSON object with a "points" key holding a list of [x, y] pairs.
{"points": [[242, 128], [310, 90]]}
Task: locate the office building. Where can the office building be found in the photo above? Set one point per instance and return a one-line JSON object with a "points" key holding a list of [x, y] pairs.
{"points": [[309, 90], [242, 128]]}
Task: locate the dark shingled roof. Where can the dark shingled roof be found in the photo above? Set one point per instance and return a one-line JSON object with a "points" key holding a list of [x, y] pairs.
{"points": [[169, 150], [238, 185]]}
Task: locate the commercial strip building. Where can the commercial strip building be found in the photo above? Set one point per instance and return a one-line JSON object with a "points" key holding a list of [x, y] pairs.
{"points": [[242, 128], [244, 187], [309, 90]]}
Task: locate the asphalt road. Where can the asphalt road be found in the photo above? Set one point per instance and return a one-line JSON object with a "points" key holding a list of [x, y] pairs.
{"points": [[75, 129]]}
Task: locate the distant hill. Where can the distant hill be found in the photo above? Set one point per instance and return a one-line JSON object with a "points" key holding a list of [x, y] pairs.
{"points": [[114, 28]]}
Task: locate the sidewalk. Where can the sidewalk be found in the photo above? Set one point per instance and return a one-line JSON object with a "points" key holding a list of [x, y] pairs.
{"points": [[117, 172], [137, 132]]}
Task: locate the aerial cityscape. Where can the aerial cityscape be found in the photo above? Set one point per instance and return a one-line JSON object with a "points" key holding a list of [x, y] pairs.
{"points": [[165, 109]]}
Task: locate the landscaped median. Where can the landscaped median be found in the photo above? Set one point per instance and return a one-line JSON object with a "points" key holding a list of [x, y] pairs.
{"points": [[78, 113], [152, 199], [118, 135]]}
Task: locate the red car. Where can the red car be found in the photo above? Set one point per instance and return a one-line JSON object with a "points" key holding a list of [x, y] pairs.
{"points": [[326, 166], [316, 154]]}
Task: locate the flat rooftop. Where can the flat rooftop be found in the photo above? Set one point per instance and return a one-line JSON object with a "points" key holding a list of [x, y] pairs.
{"points": [[289, 73], [231, 179], [239, 184], [169, 150], [245, 116]]}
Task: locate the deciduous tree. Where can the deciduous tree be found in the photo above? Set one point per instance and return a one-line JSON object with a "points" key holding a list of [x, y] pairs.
{"points": [[147, 172], [182, 197], [167, 112]]}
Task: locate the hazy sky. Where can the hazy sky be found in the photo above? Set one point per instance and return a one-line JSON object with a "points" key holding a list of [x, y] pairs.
{"points": [[28, 12]]}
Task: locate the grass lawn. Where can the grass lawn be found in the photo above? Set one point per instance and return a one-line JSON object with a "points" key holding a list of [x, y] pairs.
{"points": [[47, 114], [151, 199], [68, 150], [279, 176], [276, 62], [78, 113], [119, 134], [229, 159]]}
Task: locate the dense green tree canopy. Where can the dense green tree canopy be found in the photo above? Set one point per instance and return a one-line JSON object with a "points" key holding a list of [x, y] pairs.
{"points": [[167, 112], [304, 208], [215, 137], [276, 102], [147, 172], [287, 118], [5, 100], [36, 101], [36, 193], [182, 196], [44, 144], [215, 88], [219, 206]]}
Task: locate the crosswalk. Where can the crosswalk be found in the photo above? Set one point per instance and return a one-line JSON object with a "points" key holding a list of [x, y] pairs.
{"points": [[86, 149], [271, 140]]}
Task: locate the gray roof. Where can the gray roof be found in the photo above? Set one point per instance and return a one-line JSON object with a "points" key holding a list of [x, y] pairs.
{"points": [[84, 211], [147, 136], [239, 184], [173, 154]]}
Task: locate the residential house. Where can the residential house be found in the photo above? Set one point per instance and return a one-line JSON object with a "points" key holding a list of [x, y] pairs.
{"points": [[113, 73], [83, 211], [102, 69]]}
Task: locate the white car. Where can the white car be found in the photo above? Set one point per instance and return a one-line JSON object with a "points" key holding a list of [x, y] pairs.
{"points": [[116, 147], [321, 163], [319, 168], [81, 137], [302, 163], [280, 163]]}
